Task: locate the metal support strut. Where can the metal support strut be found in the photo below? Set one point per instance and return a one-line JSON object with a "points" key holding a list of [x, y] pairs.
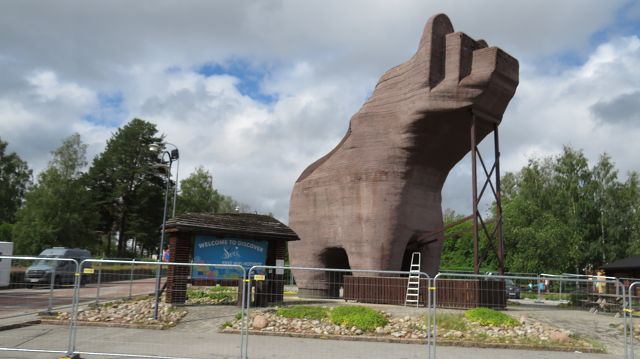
{"points": [[494, 238]]}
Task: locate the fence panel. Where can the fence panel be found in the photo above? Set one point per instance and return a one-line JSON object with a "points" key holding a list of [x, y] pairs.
{"points": [[117, 313], [212, 310], [33, 292], [357, 313], [632, 311], [548, 311]]}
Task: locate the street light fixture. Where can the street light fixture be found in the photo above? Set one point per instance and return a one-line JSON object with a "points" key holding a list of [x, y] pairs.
{"points": [[155, 147], [172, 155]]}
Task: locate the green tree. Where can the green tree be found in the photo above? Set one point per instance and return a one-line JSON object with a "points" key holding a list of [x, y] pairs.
{"points": [[128, 188], [560, 215], [457, 250], [543, 213], [58, 209], [563, 216], [197, 194], [614, 213], [15, 178]]}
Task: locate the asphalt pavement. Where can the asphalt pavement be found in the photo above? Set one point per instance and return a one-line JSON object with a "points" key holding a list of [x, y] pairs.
{"points": [[197, 337], [23, 301], [140, 342]]}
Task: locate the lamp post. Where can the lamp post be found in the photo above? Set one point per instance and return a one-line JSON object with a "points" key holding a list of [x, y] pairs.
{"points": [[173, 155]]}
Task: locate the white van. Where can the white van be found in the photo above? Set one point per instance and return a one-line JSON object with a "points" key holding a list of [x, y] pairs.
{"points": [[62, 272]]}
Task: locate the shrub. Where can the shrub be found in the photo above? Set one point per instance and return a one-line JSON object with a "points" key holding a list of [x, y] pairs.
{"points": [[577, 299], [449, 321], [557, 296], [360, 317], [303, 312], [486, 316]]}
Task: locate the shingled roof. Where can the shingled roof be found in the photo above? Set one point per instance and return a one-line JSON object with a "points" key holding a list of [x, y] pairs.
{"points": [[632, 262], [241, 225]]}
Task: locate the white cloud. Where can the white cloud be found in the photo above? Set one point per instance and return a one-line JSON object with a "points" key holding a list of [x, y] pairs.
{"points": [[255, 150], [320, 58], [47, 87], [554, 110]]}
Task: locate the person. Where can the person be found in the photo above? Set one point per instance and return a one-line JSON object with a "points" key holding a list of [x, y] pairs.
{"points": [[166, 254], [601, 284], [530, 286]]}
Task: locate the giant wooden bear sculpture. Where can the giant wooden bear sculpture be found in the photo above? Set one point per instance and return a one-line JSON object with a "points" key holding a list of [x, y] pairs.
{"points": [[366, 204]]}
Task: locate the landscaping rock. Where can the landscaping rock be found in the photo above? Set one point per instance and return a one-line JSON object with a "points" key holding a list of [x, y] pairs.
{"points": [[528, 331], [259, 322], [559, 336], [138, 311]]}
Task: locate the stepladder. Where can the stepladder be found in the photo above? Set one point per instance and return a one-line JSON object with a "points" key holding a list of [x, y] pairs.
{"points": [[413, 284]]}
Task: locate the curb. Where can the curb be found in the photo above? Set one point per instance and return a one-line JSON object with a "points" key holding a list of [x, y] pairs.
{"points": [[359, 338], [458, 343], [20, 325], [107, 325]]}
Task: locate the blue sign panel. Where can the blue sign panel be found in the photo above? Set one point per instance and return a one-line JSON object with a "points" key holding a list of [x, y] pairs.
{"points": [[216, 250]]}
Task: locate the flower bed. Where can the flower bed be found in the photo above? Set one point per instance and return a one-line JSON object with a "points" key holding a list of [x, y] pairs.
{"points": [[484, 328]]}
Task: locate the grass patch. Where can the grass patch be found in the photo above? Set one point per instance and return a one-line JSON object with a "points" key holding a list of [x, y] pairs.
{"points": [[594, 343], [557, 296], [545, 296], [216, 295], [449, 321], [303, 312], [360, 317], [490, 317], [106, 268]]}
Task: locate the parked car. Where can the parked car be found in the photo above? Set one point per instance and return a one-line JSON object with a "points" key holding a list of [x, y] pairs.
{"points": [[512, 289], [43, 270]]}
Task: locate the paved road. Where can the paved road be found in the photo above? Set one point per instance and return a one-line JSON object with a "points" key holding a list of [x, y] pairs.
{"points": [[24, 301]]}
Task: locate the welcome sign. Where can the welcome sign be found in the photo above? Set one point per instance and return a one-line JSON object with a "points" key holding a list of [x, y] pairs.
{"points": [[216, 250]]}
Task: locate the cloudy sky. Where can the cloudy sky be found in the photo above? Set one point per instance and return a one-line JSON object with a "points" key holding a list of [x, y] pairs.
{"points": [[254, 91]]}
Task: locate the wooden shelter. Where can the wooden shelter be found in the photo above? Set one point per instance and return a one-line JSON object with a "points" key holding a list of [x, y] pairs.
{"points": [[195, 237], [623, 268]]}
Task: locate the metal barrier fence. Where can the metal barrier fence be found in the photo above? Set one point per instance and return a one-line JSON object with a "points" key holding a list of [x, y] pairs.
{"points": [[632, 309], [545, 306], [59, 306], [41, 288], [98, 298], [220, 285], [322, 305]]}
